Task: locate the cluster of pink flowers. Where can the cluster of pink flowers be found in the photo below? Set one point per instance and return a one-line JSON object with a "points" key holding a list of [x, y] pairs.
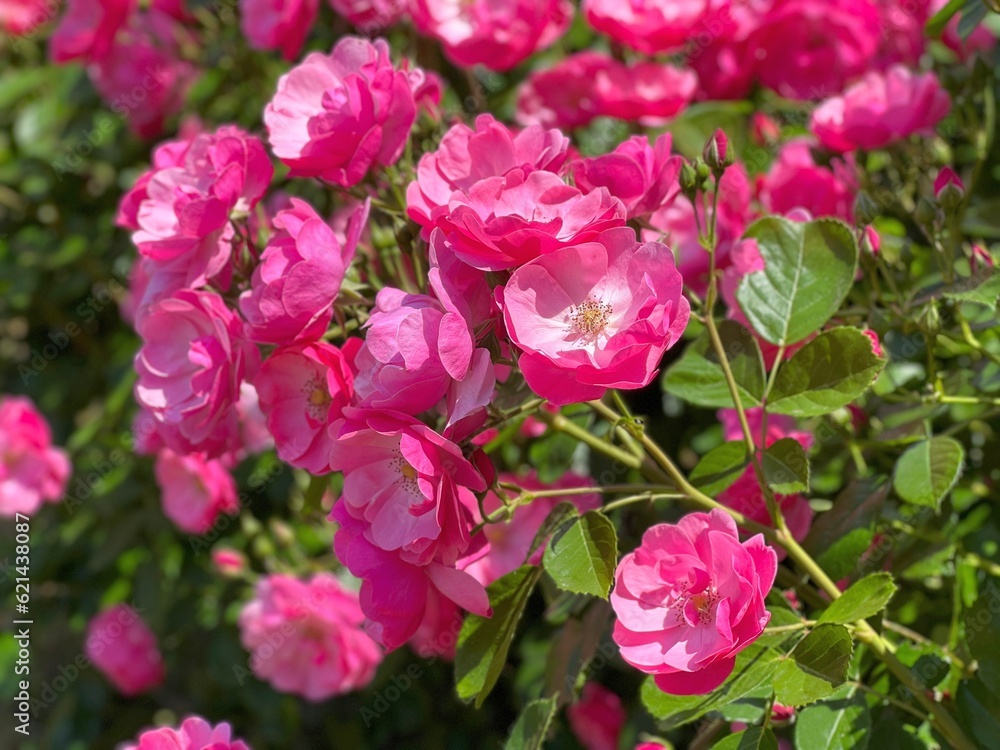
{"points": [[32, 470]]}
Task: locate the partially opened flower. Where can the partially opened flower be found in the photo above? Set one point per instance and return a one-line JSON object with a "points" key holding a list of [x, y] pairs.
{"points": [[594, 316], [689, 599], [193, 734]]}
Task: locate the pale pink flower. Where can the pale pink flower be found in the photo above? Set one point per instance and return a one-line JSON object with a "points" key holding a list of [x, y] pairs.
{"points": [[191, 364], [303, 389], [194, 490], [278, 24], [337, 116], [504, 222], [370, 15], [305, 637], [563, 95], [293, 289], [642, 176], [597, 719], [485, 32], [649, 26], [194, 734], [795, 180], [594, 316], [510, 540], [88, 28], [809, 49], [124, 649], [184, 218], [466, 156], [689, 599], [32, 470], [880, 109]]}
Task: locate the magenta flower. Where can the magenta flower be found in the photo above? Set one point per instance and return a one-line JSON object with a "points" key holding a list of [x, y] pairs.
{"points": [[370, 15], [88, 29], [293, 289], [303, 389], [594, 316], [195, 490], [337, 116], [563, 96], [689, 599], [194, 734], [598, 718], [32, 470], [649, 93], [278, 24], [642, 177], [496, 35], [21, 17], [504, 222], [191, 364], [124, 649], [466, 156], [880, 109], [795, 180], [305, 637], [648, 26]]}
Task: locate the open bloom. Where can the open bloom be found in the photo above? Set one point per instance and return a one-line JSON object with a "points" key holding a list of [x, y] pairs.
{"points": [[503, 222], [336, 116], [689, 599], [649, 93], [649, 26], [191, 364], [32, 470], [305, 637], [880, 109], [795, 180], [642, 176], [563, 95], [195, 490], [124, 649], [595, 315], [293, 289], [278, 24], [466, 156], [484, 32], [303, 389], [194, 734]]}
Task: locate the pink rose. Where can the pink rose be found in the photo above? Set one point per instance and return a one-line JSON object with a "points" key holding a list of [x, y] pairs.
{"points": [[21, 17], [594, 316], [337, 116], [642, 177], [370, 15], [808, 49], [689, 599], [484, 32], [902, 39], [321, 650], [195, 490], [510, 540], [880, 109], [649, 26], [166, 154], [32, 470], [795, 180], [466, 156], [597, 719], [722, 52], [438, 631], [293, 289], [649, 93], [194, 734], [676, 225], [303, 389], [184, 219], [503, 222], [88, 29], [190, 368], [124, 649], [278, 24], [563, 95]]}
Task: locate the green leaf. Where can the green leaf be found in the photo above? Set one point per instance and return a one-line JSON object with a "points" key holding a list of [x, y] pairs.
{"points": [[697, 376], [786, 467], [927, 471], [817, 666], [829, 372], [808, 270], [973, 13], [865, 598], [553, 520], [984, 293], [940, 19], [979, 713], [528, 732], [840, 537], [842, 722], [720, 467], [754, 738], [982, 632], [484, 641], [582, 555]]}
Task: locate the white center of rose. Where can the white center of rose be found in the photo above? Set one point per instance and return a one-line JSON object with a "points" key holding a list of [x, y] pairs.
{"points": [[591, 317]]}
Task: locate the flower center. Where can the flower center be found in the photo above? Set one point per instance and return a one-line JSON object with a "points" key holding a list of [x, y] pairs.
{"points": [[317, 399], [695, 608], [590, 317]]}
